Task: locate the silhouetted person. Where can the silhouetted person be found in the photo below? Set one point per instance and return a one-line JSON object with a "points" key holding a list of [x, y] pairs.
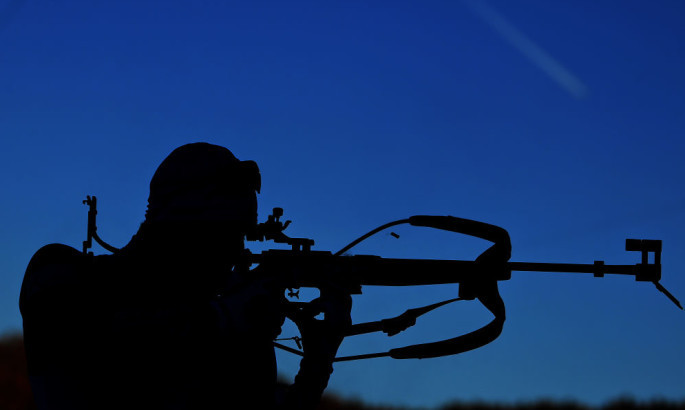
{"points": [[173, 320]]}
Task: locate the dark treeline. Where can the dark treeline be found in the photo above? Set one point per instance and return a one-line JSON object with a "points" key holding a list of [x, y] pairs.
{"points": [[619, 404], [15, 392]]}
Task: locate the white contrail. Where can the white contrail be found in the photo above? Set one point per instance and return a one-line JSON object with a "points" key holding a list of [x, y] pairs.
{"points": [[537, 55]]}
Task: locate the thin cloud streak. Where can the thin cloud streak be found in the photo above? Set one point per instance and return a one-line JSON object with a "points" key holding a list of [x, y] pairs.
{"points": [[557, 72]]}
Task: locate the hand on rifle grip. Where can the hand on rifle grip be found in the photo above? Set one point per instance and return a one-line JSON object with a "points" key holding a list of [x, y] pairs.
{"points": [[321, 338]]}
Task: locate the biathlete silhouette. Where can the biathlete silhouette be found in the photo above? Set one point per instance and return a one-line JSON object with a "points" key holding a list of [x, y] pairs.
{"points": [[173, 320], [177, 319]]}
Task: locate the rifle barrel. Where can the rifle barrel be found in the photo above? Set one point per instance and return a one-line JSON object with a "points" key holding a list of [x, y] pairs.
{"points": [[413, 272], [310, 269], [597, 268]]}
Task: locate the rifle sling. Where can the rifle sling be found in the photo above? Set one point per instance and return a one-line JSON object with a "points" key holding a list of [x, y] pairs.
{"points": [[489, 296]]}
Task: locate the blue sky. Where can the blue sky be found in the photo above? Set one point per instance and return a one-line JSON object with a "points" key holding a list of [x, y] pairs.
{"points": [[561, 121]]}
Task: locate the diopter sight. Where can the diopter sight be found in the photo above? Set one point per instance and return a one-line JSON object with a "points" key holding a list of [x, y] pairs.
{"points": [[650, 272], [272, 230], [646, 272]]}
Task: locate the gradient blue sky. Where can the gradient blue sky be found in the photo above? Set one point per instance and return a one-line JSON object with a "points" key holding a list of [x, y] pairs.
{"points": [[561, 121]]}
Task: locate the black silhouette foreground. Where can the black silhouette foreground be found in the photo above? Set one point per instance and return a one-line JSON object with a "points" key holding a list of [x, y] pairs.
{"points": [[302, 267], [176, 319], [15, 392]]}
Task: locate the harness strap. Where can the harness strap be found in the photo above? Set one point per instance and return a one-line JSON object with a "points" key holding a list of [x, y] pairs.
{"points": [[490, 298], [487, 294], [395, 325]]}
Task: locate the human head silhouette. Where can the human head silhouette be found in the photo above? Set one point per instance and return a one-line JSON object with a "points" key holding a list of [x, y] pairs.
{"points": [[202, 186]]}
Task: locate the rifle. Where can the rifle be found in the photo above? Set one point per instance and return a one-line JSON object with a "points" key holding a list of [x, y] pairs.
{"points": [[300, 267]]}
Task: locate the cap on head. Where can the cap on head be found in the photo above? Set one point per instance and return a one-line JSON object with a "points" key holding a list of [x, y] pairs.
{"points": [[204, 182]]}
